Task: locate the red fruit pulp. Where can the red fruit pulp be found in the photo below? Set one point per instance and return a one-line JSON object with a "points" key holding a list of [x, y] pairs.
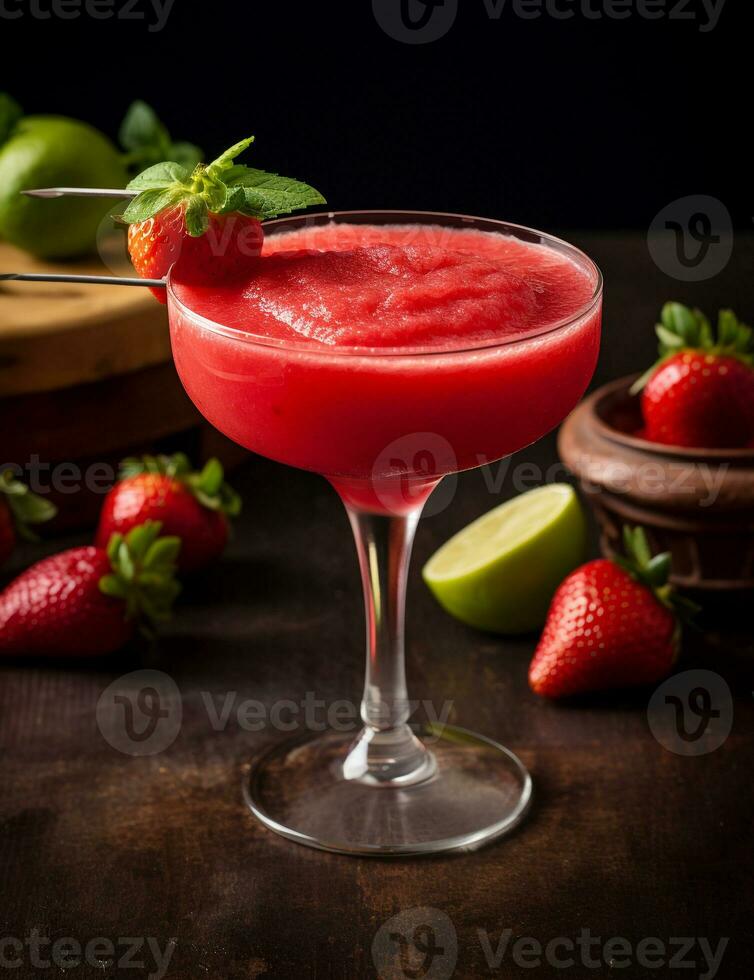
{"points": [[387, 356]]}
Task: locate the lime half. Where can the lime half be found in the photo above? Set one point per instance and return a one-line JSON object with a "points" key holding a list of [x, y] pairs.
{"points": [[500, 572]]}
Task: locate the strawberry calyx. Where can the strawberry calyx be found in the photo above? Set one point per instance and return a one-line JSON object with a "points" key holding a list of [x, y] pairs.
{"points": [[143, 572], [221, 187], [25, 507], [684, 329], [207, 485], [653, 571]]}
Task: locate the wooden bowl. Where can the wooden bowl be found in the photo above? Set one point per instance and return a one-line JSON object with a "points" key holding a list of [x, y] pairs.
{"points": [[696, 503]]}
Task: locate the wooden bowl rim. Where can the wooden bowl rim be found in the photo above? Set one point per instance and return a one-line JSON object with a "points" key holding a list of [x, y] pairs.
{"points": [[620, 386]]}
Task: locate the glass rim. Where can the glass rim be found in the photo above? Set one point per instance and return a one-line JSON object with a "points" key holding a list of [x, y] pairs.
{"points": [[444, 219]]}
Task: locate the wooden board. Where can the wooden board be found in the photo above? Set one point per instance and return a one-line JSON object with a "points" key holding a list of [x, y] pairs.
{"points": [[55, 335]]}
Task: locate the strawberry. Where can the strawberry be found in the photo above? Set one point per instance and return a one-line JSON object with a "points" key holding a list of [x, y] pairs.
{"points": [[217, 256], [700, 394], [19, 508], [207, 222], [89, 600], [612, 623], [192, 506]]}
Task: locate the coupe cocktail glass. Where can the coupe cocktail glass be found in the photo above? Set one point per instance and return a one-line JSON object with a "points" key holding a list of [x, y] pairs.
{"points": [[384, 425]]}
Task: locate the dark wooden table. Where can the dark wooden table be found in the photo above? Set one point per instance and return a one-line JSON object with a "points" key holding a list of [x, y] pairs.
{"points": [[626, 838]]}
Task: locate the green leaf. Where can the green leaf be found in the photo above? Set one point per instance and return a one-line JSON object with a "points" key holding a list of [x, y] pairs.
{"points": [[141, 538], [159, 176], [163, 553], [147, 141], [211, 477], [125, 565], [640, 548], [143, 570], [112, 586], [658, 570], [113, 546], [230, 501], [196, 216], [668, 339], [151, 202], [706, 337], [727, 328], [10, 113], [141, 128], [681, 321], [214, 193], [225, 161], [267, 195], [26, 507]]}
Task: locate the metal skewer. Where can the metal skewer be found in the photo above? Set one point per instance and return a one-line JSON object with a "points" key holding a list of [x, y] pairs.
{"points": [[97, 280], [64, 277], [80, 192]]}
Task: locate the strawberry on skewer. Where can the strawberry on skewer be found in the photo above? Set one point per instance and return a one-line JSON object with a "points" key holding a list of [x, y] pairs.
{"points": [[700, 394], [611, 624], [90, 600], [207, 221]]}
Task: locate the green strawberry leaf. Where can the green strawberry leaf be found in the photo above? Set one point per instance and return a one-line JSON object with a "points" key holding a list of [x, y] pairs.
{"points": [[682, 328], [225, 161], [208, 485], [162, 553], [161, 175], [221, 187], [10, 113], [196, 216], [151, 202], [25, 507], [111, 585], [653, 572], [143, 572]]}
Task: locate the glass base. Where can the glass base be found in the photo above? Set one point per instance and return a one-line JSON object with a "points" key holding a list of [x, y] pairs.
{"points": [[475, 791]]}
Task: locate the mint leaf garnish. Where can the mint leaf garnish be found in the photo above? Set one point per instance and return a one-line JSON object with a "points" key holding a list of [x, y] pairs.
{"points": [[222, 187], [268, 195]]}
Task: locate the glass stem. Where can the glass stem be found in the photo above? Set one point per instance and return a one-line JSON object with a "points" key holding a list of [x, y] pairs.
{"points": [[386, 752]]}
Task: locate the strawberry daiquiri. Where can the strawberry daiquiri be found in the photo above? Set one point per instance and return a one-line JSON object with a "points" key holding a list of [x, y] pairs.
{"points": [[383, 350], [385, 356]]}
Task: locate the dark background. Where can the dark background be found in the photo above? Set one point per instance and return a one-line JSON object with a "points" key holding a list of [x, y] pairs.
{"points": [[557, 124], [579, 124]]}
